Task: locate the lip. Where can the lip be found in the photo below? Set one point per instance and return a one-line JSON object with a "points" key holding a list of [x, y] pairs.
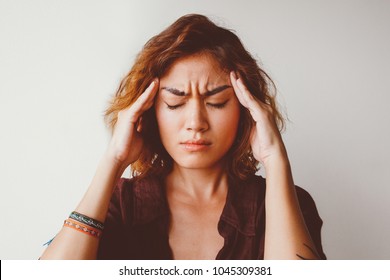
{"points": [[195, 145]]}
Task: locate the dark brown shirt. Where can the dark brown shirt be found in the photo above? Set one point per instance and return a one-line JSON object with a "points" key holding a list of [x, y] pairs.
{"points": [[137, 223]]}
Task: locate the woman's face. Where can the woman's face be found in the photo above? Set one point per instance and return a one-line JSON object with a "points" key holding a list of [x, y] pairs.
{"points": [[197, 112]]}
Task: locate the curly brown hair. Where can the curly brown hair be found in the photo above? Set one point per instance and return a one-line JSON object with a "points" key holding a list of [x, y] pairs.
{"points": [[192, 34]]}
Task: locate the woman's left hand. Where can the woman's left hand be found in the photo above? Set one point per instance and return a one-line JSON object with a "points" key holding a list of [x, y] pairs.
{"points": [[266, 141], [285, 238]]}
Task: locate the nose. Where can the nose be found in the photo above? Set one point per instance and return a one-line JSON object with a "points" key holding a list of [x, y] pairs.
{"points": [[197, 120]]}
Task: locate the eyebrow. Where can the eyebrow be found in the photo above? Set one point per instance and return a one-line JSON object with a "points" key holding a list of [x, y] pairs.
{"points": [[208, 93]]}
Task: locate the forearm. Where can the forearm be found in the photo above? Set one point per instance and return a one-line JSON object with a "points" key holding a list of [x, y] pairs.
{"points": [[286, 234], [72, 244]]}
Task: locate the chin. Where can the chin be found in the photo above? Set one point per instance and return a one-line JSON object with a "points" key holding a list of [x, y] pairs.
{"points": [[198, 163]]}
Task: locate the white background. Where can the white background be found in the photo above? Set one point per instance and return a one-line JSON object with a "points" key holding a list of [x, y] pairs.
{"points": [[60, 61]]}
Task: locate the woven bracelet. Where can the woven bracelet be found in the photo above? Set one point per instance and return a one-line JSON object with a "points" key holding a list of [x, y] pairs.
{"points": [[82, 228], [86, 220]]}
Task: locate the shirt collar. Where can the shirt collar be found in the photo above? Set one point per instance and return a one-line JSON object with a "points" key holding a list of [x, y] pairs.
{"points": [[239, 211]]}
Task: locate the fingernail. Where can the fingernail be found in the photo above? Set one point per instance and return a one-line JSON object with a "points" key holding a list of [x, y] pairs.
{"points": [[234, 75]]}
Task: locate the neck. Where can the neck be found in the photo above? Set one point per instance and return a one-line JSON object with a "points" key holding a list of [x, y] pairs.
{"points": [[197, 184]]}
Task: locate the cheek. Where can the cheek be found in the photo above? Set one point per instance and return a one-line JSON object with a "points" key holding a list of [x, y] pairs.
{"points": [[227, 122], [166, 124]]}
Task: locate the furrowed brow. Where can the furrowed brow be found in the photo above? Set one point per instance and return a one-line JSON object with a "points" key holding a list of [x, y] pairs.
{"points": [[216, 90], [175, 91], [208, 93]]}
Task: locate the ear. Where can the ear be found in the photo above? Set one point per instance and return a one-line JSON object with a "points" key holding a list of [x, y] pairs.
{"points": [[139, 125]]}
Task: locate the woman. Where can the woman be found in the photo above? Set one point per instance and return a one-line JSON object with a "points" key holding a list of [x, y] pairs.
{"points": [[193, 118]]}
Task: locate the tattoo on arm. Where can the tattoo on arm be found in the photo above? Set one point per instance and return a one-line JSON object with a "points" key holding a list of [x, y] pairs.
{"points": [[311, 250]]}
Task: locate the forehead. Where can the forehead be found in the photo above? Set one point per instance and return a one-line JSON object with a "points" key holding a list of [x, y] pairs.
{"points": [[195, 67]]}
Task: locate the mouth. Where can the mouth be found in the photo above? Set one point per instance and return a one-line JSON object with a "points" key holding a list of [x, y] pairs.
{"points": [[195, 145]]}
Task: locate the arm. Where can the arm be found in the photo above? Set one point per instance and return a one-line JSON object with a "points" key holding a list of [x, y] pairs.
{"points": [[286, 234], [71, 244], [125, 148]]}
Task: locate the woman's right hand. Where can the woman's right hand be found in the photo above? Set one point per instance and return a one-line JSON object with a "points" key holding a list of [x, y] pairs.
{"points": [[125, 147], [126, 143]]}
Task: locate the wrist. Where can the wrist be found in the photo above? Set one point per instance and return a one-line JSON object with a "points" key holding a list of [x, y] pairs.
{"points": [[111, 160], [276, 160], [278, 169]]}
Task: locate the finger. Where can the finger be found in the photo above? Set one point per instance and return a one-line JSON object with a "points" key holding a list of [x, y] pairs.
{"points": [[255, 107], [237, 90], [246, 95], [144, 101]]}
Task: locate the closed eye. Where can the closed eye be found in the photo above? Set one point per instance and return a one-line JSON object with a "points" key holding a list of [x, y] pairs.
{"points": [[213, 105], [218, 105], [173, 107]]}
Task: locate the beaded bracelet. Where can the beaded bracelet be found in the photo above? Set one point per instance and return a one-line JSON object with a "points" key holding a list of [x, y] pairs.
{"points": [[86, 220], [82, 228]]}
